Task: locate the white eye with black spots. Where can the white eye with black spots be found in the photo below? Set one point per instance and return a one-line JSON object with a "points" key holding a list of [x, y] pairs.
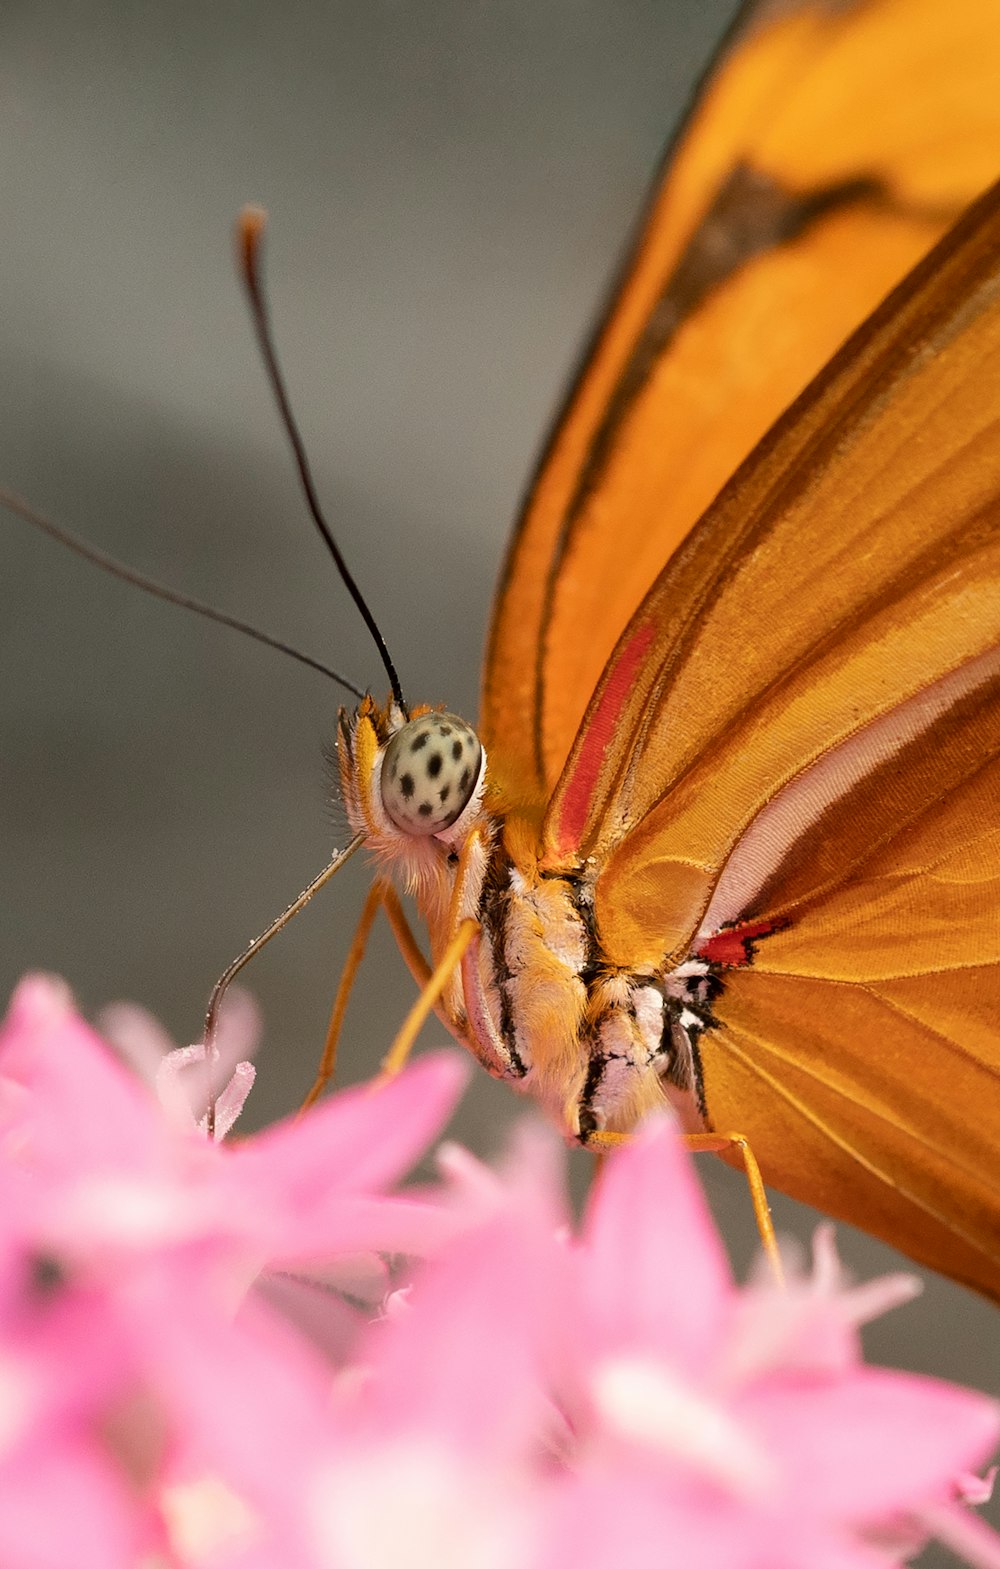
{"points": [[429, 771]]}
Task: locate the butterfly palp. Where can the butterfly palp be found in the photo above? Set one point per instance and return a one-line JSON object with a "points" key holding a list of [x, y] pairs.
{"points": [[429, 772]]}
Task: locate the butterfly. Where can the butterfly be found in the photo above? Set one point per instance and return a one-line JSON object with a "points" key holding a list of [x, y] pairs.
{"points": [[729, 829], [728, 833]]}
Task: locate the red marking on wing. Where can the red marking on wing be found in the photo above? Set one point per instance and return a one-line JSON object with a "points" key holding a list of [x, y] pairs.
{"points": [[577, 796], [734, 945]]}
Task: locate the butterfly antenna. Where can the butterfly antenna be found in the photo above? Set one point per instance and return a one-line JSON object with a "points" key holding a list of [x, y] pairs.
{"points": [[250, 233], [127, 574]]}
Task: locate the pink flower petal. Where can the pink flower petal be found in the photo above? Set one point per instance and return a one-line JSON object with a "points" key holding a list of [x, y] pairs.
{"points": [[416, 1505], [810, 1325], [85, 1111], [973, 1489], [354, 1224], [356, 1141], [617, 1519], [231, 1100], [138, 1038], [873, 1444], [656, 1275], [147, 1048], [63, 1504], [182, 1089], [467, 1360], [250, 1398], [968, 1537], [324, 1316]]}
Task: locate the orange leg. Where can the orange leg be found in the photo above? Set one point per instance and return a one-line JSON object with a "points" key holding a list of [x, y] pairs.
{"points": [[717, 1143], [401, 1047], [603, 1142], [410, 949], [356, 952], [383, 894], [405, 940]]}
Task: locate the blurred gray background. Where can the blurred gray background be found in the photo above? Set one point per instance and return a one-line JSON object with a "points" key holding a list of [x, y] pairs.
{"points": [[449, 184]]}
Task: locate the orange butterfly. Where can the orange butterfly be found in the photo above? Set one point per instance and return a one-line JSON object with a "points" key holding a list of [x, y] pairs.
{"points": [[733, 832], [731, 835]]}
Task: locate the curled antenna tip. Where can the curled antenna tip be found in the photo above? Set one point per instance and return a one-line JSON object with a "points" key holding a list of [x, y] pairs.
{"points": [[250, 226]]}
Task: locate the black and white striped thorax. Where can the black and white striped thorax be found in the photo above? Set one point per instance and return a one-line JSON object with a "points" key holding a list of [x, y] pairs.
{"points": [[544, 974], [647, 1024]]}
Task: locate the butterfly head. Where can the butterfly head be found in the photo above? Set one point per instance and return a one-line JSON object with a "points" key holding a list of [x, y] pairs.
{"points": [[411, 782], [429, 773]]}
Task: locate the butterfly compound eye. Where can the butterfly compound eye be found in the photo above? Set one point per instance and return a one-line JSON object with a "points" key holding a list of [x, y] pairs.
{"points": [[429, 772]]}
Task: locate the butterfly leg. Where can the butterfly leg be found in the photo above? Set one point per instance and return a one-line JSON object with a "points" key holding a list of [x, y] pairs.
{"points": [[403, 933], [464, 928], [719, 1143], [603, 1141], [348, 975], [450, 961], [465, 901], [380, 894]]}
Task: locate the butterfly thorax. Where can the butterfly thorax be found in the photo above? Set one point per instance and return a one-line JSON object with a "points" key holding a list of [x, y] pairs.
{"points": [[535, 999], [597, 1046]]}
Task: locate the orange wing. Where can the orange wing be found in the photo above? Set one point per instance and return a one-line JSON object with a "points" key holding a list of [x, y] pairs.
{"points": [[851, 564], [829, 149], [792, 767], [860, 1052]]}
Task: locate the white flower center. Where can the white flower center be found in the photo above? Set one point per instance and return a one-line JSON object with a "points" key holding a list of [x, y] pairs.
{"points": [[414, 1506], [133, 1212], [645, 1401], [205, 1518]]}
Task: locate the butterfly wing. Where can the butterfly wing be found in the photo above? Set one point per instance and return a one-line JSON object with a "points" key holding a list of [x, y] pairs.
{"points": [[849, 565], [791, 767], [829, 148], [860, 1051]]}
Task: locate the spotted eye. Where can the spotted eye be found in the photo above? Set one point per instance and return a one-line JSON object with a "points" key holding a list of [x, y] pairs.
{"points": [[429, 772]]}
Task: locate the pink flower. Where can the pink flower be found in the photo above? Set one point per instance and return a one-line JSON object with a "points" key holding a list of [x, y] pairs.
{"points": [[447, 1424], [103, 1174], [178, 1073], [535, 1401], [745, 1421], [127, 1243], [531, 1399]]}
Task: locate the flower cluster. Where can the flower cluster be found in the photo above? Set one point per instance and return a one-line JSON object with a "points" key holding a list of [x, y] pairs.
{"points": [[209, 1356]]}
